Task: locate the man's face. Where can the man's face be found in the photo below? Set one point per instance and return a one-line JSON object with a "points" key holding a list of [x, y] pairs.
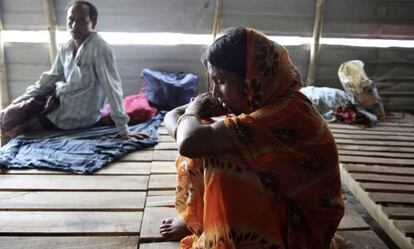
{"points": [[78, 22]]}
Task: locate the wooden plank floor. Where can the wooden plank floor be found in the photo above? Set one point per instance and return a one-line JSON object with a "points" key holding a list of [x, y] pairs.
{"points": [[120, 206], [377, 165]]}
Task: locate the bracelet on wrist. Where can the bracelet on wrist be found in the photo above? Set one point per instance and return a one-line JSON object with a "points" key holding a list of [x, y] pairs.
{"points": [[181, 118], [186, 115]]}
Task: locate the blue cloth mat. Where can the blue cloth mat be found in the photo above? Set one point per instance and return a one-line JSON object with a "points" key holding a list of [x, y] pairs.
{"points": [[80, 151]]}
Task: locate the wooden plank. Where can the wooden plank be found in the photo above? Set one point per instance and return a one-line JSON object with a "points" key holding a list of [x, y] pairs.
{"points": [[375, 211], [165, 155], [84, 200], [139, 156], [377, 143], [162, 130], [397, 115], [165, 138], [390, 137], [399, 213], [160, 245], [393, 123], [78, 242], [152, 219], [72, 182], [166, 146], [373, 148], [408, 117], [377, 128], [376, 154], [401, 123], [376, 160], [115, 168], [406, 226], [352, 221], [70, 223], [396, 123], [160, 201], [392, 198], [363, 239], [160, 192], [158, 167], [408, 180], [126, 168], [162, 182], [372, 132], [393, 119], [387, 187], [381, 170]]}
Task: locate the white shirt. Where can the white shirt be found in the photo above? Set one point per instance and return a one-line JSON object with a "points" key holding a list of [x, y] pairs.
{"points": [[82, 84]]}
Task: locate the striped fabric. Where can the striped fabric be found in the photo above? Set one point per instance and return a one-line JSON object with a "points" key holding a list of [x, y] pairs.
{"points": [[82, 82]]}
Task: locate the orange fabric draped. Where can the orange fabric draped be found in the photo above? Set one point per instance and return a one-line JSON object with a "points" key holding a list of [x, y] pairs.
{"points": [[282, 190]]}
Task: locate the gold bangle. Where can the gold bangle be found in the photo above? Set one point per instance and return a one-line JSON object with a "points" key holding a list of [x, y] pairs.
{"points": [[186, 115]]}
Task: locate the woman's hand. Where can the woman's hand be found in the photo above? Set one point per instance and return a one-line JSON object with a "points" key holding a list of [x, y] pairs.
{"points": [[205, 106]]}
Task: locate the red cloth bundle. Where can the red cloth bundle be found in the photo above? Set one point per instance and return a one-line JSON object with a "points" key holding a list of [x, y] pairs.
{"points": [[136, 107]]}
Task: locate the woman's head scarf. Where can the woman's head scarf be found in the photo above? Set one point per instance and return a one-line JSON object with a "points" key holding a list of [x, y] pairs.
{"points": [[270, 73]]}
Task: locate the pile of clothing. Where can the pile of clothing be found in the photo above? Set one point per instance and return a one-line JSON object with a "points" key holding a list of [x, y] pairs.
{"points": [[85, 151], [359, 104]]}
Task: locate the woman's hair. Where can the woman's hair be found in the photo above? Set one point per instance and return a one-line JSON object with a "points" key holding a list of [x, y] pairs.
{"points": [[229, 52], [93, 12]]}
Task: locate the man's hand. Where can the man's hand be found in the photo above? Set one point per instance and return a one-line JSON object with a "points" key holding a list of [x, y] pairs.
{"points": [[133, 135], [51, 103]]}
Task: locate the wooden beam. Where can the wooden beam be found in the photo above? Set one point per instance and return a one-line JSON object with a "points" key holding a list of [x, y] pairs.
{"points": [[409, 117], [397, 93], [4, 87], [314, 51], [376, 211], [4, 95], [216, 18], [50, 18]]}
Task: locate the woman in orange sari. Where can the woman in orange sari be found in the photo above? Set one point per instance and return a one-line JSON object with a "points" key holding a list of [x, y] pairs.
{"points": [[267, 175]]}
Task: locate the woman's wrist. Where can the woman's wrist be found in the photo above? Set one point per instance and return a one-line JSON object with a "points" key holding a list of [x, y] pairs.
{"points": [[181, 118]]}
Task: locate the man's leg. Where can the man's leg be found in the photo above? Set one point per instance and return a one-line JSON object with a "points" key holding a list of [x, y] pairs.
{"points": [[8, 130], [26, 115], [34, 124]]}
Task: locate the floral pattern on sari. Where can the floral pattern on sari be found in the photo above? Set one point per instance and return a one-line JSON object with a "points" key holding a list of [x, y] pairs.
{"points": [[267, 57], [282, 189]]}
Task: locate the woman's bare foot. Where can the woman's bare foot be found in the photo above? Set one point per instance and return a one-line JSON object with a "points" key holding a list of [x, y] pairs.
{"points": [[174, 229]]}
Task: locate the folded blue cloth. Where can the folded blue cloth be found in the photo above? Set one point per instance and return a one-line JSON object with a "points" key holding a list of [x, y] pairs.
{"points": [[80, 151]]}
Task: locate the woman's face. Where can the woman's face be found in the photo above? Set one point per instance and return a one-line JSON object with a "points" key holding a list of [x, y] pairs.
{"points": [[226, 86]]}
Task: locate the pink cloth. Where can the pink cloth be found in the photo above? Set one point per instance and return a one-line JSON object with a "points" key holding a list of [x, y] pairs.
{"points": [[136, 107]]}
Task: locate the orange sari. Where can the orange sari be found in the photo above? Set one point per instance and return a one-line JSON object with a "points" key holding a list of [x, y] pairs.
{"points": [[282, 190]]}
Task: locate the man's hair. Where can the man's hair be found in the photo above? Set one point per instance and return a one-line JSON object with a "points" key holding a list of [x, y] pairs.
{"points": [[229, 52], [93, 12]]}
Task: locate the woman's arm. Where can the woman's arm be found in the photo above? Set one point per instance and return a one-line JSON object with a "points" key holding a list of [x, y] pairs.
{"points": [[171, 119], [196, 139]]}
